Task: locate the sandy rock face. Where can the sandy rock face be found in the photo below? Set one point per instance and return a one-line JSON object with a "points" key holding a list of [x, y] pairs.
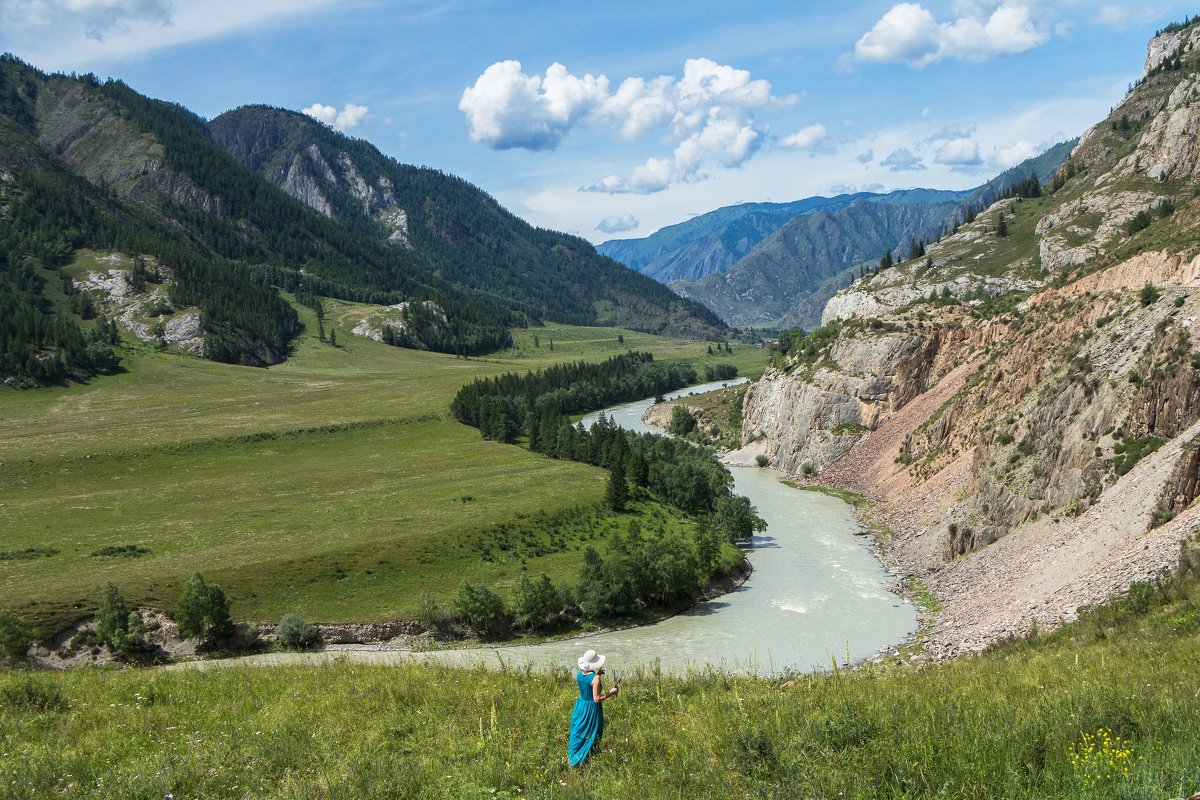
{"points": [[132, 311], [1169, 142], [395, 318], [816, 419]]}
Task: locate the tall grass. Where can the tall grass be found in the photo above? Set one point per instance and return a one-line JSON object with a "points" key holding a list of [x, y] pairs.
{"points": [[1012, 723]]}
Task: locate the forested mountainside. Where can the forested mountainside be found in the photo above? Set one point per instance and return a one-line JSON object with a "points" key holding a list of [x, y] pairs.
{"points": [[46, 212], [97, 167], [786, 278], [715, 241], [1023, 400], [451, 227]]}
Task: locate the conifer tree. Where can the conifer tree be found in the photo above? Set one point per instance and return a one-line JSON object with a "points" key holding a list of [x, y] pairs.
{"points": [[617, 493]]}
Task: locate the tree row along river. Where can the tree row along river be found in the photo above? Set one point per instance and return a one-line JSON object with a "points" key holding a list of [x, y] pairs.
{"points": [[817, 595]]}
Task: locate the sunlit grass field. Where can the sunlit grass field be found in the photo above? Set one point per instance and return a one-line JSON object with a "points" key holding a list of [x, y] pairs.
{"points": [[1106, 708], [330, 486]]}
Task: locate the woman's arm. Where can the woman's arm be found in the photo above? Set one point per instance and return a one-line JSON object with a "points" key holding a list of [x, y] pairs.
{"points": [[596, 696]]}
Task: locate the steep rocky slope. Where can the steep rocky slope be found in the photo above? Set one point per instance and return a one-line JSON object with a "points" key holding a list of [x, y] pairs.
{"points": [[450, 227], [1024, 402]]}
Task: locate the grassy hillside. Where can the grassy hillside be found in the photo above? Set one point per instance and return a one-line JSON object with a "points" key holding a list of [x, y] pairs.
{"points": [[1014, 723], [331, 485]]}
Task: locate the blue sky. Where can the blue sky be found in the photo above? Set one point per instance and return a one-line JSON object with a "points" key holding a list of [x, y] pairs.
{"points": [[612, 120]]}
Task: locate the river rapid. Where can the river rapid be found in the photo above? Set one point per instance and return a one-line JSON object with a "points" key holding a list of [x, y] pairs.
{"points": [[818, 595]]}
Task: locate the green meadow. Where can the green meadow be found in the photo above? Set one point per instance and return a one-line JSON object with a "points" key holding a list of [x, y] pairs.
{"points": [[334, 485], [1104, 708]]}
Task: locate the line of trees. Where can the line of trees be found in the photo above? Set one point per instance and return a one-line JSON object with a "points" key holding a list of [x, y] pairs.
{"points": [[512, 404], [643, 570]]}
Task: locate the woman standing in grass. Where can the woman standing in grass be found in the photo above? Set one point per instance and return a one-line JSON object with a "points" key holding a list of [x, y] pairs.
{"points": [[587, 720]]}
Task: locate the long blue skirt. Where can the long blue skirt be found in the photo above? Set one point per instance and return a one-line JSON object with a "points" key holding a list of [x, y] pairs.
{"points": [[587, 721]]}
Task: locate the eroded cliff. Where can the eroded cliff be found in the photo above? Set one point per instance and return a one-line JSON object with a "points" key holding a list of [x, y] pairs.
{"points": [[1023, 401]]}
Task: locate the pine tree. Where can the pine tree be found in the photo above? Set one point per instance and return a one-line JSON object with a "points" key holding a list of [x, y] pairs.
{"points": [[886, 261], [333, 337], [617, 493]]}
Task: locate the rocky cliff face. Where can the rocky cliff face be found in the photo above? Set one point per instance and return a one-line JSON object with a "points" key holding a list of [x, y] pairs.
{"points": [[1024, 402], [277, 144], [90, 134]]}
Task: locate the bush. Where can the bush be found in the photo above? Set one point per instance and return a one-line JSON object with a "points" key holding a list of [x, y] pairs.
{"points": [[682, 421], [297, 634], [15, 638], [1140, 222], [480, 607], [761, 460], [112, 618], [203, 611], [536, 603], [1148, 294]]}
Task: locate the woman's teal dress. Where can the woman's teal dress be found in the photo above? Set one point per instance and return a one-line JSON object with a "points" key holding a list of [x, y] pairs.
{"points": [[587, 721]]}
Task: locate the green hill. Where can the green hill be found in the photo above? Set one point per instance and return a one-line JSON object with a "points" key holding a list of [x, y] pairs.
{"points": [[452, 227]]}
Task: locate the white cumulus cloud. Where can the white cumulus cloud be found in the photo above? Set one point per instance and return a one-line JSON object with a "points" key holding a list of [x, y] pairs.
{"points": [[959, 153], [708, 111], [908, 32], [349, 117], [618, 224], [1023, 149], [812, 139]]}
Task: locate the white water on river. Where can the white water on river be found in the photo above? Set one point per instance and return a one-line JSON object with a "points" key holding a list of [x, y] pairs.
{"points": [[818, 594]]}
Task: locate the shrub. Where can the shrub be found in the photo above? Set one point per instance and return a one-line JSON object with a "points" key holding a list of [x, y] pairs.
{"points": [[480, 607], [1140, 222], [682, 421], [535, 603], [761, 460], [112, 618], [15, 637], [1148, 294], [203, 611], [296, 633]]}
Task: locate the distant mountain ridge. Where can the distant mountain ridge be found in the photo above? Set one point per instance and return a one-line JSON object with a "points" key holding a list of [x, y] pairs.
{"points": [[715, 241], [776, 264]]}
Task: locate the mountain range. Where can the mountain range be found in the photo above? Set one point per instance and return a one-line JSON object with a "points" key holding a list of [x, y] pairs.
{"points": [[261, 200], [776, 264]]}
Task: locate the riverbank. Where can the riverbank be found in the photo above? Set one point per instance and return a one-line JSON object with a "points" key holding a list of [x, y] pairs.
{"points": [[1030, 720], [254, 640], [1039, 577]]}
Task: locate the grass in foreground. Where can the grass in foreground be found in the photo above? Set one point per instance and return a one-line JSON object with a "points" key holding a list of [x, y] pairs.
{"points": [[1014, 723]]}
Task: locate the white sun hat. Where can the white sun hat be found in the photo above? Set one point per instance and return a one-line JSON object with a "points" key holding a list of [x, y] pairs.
{"points": [[591, 661]]}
